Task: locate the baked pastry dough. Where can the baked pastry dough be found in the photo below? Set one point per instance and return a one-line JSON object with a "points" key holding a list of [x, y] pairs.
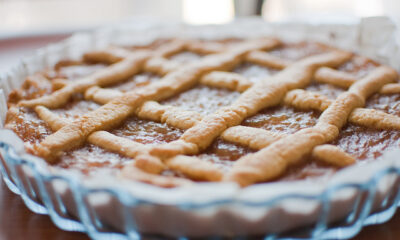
{"points": [[271, 153]]}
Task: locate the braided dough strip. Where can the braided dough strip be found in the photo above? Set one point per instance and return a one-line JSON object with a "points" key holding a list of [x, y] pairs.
{"points": [[258, 138], [390, 88], [360, 116], [264, 94], [272, 161], [115, 54], [374, 118], [255, 138], [218, 79], [112, 74], [205, 47], [108, 55], [102, 95], [117, 72], [195, 168], [160, 66], [306, 100], [115, 111], [173, 116], [334, 77], [227, 80], [192, 167], [331, 154], [107, 141], [345, 80], [102, 139], [268, 60], [132, 172]]}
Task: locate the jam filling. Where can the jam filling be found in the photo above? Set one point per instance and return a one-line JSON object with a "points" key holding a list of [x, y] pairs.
{"points": [[358, 66], [203, 99], [74, 72], [327, 90], [185, 57], [28, 126], [386, 103], [282, 119], [296, 51], [147, 132], [364, 144], [33, 87], [223, 153], [76, 108], [139, 80], [254, 72], [91, 159]]}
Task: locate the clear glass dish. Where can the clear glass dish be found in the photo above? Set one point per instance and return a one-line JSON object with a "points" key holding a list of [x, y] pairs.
{"points": [[105, 208], [27, 179]]}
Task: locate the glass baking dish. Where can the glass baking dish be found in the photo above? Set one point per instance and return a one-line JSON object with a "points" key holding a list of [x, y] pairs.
{"points": [[108, 207], [73, 212]]}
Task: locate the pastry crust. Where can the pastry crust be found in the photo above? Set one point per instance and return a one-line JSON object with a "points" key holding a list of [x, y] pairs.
{"points": [[275, 152], [331, 154], [115, 111], [270, 162]]}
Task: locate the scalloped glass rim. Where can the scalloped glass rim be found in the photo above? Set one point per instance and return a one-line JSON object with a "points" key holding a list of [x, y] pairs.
{"points": [[322, 229], [363, 190]]}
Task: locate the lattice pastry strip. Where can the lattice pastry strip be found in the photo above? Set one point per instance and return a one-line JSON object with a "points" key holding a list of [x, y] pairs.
{"points": [[320, 105], [297, 98], [345, 80], [271, 161], [266, 93], [115, 111], [258, 138], [277, 151], [191, 167]]}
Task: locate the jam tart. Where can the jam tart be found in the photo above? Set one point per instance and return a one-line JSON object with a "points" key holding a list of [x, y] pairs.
{"points": [[180, 111]]}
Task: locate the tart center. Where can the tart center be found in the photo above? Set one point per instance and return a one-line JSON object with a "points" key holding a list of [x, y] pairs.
{"points": [[179, 111]]}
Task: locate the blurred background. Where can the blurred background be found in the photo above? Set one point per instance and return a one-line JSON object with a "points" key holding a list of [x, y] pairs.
{"points": [[28, 24], [20, 17]]}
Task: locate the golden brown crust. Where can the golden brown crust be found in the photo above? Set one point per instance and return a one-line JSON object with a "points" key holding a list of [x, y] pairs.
{"points": [[255, 138], [302, 99], [160, 65], [231, 81], [267, 93], [266, 59], [134, 173], [108, 55], [390, 88], [273, 160], [331, 154], [115, 111], [276, 151], [110, 75], [374, 119], [334, 77], [194, 168], [173, 116]]}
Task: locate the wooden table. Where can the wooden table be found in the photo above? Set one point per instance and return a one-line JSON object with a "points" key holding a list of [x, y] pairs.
{"points": [[17, 222]]}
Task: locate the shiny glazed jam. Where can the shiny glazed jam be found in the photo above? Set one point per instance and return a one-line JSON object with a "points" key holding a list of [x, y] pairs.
{"points": [[364, 144]]}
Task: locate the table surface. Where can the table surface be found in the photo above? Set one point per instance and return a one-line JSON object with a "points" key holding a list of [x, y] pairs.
{"points": [[18, 222]]}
